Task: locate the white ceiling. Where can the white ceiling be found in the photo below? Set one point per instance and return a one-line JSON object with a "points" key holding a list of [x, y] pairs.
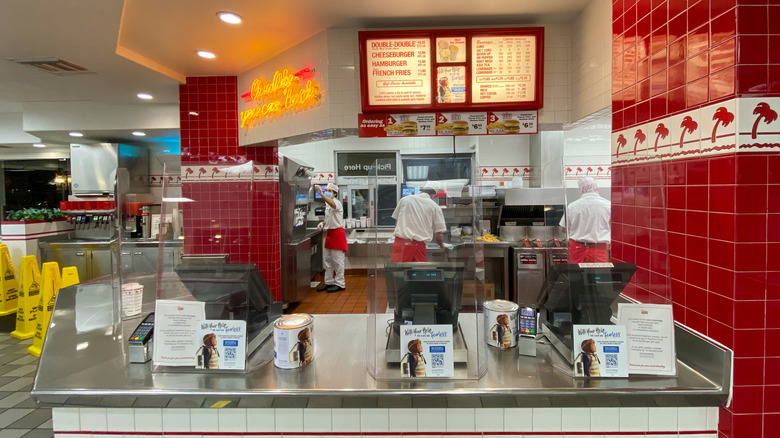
{"points": [[148, 46]]}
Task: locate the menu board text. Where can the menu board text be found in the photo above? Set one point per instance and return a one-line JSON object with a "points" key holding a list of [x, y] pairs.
{"points": [[399, 71]]}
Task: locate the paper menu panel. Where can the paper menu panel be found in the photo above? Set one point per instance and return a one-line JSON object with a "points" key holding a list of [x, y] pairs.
{"points": [[503, 69], [399, 71], [452, 49], [451, 84]]}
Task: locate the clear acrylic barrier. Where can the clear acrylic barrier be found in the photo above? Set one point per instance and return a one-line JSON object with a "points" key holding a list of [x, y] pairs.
{"points": [[453, 294], [205, 249]]}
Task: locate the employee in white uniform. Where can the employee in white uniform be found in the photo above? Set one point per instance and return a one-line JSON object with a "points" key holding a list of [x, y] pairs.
{"points": [[587, 221], [418, 220], [335, 240]]}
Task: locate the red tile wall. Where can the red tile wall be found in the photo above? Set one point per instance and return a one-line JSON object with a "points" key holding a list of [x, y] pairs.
{"points": [[704, 231], [705, 236], [244, 215], [673, 55]]}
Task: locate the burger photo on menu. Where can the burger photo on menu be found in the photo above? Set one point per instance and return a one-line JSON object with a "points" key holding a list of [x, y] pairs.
{"points": [[511, 127], [460, 127], [409, 128]]}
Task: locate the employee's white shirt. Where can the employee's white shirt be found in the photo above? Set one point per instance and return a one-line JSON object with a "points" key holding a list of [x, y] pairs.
{"points": [[334, 217], [418, 217], [588, 219]]}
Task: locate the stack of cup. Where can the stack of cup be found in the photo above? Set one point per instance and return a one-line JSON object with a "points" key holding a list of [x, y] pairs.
{"points": [[132, 299]]}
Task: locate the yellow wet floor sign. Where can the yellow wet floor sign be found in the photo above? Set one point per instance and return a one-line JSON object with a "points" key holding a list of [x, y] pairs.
{"points": [[9, 292], [29, 294], [70, 276], [50, 285]]}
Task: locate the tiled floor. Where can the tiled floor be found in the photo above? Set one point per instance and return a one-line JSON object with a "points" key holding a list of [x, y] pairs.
{"points": [[351, 300], [19, 416]]}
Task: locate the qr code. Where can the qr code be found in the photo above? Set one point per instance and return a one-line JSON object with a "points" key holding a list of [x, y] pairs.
{"points": [[230, 353], [437, 360], [611, 360]]}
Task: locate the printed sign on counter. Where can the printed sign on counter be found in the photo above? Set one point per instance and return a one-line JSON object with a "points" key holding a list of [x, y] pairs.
{"points": [[222, 345], [503, 69], [650, 329], [175, 327], [399, 71], [601, 351], [426, 351]]}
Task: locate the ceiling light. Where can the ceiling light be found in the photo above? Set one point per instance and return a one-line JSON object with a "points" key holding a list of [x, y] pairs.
{"points": [[139, 133], [75, 134], [39, 145], [144, 96], [193, 113], [205, 54], [229, 17]]}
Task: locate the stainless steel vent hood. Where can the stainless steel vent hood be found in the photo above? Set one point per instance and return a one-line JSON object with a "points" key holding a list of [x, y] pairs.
{"points": [[93, 168]]}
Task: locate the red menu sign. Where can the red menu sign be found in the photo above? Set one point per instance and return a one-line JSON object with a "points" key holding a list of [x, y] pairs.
{"points": [[451, 70]]}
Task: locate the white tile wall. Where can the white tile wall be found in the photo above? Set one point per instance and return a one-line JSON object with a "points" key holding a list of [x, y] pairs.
{"points": [[431, 420], [204, 420], [591, 59], [461, 420], [393, 421]]}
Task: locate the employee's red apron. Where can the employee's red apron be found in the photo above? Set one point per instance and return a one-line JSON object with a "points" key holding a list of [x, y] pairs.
{"points": [[408, 251], [588, 253], [336, 239]]}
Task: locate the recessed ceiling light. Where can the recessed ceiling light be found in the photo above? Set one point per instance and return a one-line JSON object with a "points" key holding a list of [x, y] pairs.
{"points": [[75, 134], [229, 17], [205, 54], [139, 133], [39, 145], [144, 96]]}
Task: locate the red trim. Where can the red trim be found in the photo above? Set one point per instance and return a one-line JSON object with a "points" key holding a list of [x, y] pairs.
{"points": [[160, 433], [10, 237], [33, 222], [433, 106]]}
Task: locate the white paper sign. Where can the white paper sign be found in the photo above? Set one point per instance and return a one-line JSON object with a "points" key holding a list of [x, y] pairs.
{"points": [[426, 351], [601, 351], [650, 329], [175, 325], [222, 345]]}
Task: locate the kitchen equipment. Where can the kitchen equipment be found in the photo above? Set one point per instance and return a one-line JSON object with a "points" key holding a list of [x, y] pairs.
{"points": [[294, 188], [147, 215]]}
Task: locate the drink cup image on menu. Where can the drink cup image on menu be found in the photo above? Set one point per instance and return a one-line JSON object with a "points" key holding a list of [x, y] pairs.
{"points": [[301, 352], [409, 128], [413, 363], [587, 363], [511, 126], [453, 53], [207, 357], [460, 127]]}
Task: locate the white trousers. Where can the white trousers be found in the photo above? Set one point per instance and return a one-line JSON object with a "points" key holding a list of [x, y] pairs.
{"points": [[333, 261]]}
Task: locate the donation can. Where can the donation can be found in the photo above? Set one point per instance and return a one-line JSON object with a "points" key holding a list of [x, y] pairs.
{"points": [[500, 323], [293, 340]]}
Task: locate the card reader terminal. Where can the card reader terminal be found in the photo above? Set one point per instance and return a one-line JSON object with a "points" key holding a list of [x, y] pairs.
{"points": [[526, 333], [139, 350]]}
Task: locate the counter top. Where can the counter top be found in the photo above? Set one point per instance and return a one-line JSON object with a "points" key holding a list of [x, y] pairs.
{"points": [[88, 367], [67, 241]]}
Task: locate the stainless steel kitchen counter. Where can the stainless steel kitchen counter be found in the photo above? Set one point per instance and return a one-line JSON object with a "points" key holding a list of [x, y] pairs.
{"points": [[90, 369]]}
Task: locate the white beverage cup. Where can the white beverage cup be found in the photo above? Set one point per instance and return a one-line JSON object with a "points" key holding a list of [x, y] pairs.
{"points": [[132, 299]]}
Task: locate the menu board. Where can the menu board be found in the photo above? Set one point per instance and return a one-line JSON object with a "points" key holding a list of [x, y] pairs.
{"points": [[452, 70], [503, 69], [399, 71]]}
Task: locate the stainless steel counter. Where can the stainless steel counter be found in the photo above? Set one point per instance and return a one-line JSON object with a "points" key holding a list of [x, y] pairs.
{"points": [[89, 368]]}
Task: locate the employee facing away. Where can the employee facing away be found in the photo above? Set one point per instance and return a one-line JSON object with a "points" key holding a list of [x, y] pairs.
{"points": [[418, 220], [587, 222], [335, 240]]}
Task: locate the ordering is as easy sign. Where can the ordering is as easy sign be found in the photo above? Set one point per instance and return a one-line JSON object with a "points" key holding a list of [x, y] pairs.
{"points": [[287, 91]]}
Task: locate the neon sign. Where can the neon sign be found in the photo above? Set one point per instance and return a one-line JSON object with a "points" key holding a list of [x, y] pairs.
{"points": [[287, 91]]}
